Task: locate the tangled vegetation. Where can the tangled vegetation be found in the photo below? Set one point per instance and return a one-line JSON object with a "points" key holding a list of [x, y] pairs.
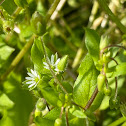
{"points": [[62, 62]]}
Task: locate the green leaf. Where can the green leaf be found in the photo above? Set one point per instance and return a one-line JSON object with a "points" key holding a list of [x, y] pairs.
{"points": [[120, 70], [5, 102], [86, 81], [9, 6], [5, 51], [76, 111], [92, 41], [37, 54], [43, 122], [50, 95]]}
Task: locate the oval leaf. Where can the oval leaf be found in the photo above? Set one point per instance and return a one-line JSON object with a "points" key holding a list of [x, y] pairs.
{"points": [[92, 41], [86, 81]]}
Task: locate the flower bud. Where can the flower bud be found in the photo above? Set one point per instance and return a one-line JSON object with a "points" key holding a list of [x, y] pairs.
{"points": [[104, 42], [21, 3], [108, 91], [58, 122], [38, 24], [114, 102], [63, 63], [100, 81], [41, 104]]}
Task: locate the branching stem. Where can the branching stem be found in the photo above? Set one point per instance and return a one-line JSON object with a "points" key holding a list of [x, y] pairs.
{"points": [[52, 72], [91, 99], [18, 58]]}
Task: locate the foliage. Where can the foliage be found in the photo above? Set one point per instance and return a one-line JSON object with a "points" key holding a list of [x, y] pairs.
{"points": [[62, 63]]}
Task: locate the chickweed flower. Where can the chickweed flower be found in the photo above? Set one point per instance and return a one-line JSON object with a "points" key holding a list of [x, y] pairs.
{"points": [[32, 80], [53, 62]]}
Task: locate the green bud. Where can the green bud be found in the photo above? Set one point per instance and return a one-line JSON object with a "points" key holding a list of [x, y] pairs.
{"points": [[114, 103], [58, 122], [100, 81], [73, 3], [104, 42], [62, 97], [107, 91], [8, 26], [59, 103], [63, 63], [41, 104], [38, 24], [106, 58], [124, 52], [38, 113], [21, 3]]}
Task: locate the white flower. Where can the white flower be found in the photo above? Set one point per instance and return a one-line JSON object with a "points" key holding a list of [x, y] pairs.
{"points": [[53, 62], [33, 79]]}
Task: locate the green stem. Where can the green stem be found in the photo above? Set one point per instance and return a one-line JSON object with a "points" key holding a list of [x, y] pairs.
{"points": [[64, 37], [52, 9], [118, 122], [114, 18], [52, 72], [17, 11], [18, 58]]}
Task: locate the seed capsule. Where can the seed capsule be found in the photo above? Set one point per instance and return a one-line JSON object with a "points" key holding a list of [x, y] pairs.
{"points": [[100, 81]]}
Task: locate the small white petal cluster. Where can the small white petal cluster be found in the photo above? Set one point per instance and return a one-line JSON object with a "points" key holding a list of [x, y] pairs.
{"points": [[33, 79], [53, 62]]}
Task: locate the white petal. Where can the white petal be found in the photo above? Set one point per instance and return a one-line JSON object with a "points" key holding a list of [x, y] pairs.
{"points": [[45, 63], [31, 85], [29, 82], [47, 67], [29, 78], [34, 73], [57, 62], [52, 59], [31, 75]]}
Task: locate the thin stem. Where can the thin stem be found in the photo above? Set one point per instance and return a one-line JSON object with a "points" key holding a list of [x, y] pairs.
{"points": [[116, 82], [116, 87], [66, 112], [110, 46], [61, 113], [52, 9], [52, 72], [63, 36], [114, 18], [118, 122], [18, 58], [77, 105], [16, 13], [1, 2], [91, 99]]}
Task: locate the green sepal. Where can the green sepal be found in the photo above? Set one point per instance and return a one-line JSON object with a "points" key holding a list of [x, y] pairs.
{"points": [[38, 23], [63, 63], [100, 81], [103, 42]]}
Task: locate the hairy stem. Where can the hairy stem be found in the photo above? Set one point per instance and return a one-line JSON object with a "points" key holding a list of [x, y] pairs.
{"points": [[18, 58], [52, 9], [110, 46], [91, 99], [66, 112], [1, 1], [61, 113], [52, 72], [114, 18]]}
